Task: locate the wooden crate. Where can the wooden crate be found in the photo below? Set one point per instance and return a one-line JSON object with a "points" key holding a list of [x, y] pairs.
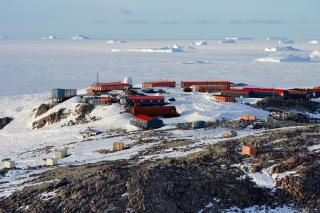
{"points": [[61, 153], [51, 162], [118, 146]]}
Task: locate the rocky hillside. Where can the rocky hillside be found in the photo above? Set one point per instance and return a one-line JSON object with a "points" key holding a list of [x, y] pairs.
{"points": [[213, 180]]}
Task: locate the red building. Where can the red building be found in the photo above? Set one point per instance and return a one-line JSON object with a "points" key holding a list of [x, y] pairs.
{"points": [[186, 84], [159, 84]]}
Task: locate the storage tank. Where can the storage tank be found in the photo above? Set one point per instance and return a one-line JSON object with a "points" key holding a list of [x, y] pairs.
{"points": [[127, 80]]}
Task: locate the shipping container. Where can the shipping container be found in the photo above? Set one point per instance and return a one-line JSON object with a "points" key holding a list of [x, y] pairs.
{"points": [[186, 84], [209, 88], [248, 118], [107, 100], [222, 98], [145, 100], [198, 124], [59, 95], [249, 150], [159, 84], [164, 111], [146, 122]]}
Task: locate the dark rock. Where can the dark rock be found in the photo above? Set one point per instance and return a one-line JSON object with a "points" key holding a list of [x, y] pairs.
{"points": [[5, 121]]}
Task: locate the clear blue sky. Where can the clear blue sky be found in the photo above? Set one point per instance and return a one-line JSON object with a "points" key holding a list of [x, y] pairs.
{"points": [[160, 19]]}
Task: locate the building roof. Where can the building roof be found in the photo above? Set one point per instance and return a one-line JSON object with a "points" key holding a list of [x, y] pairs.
{"points": [[159, 82], [111, 84], [203, 82], [144, 118], [138, 98]]}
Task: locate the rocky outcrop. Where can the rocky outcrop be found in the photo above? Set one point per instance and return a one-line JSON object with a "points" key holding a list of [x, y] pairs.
{"points": [[50, 119], [43, 108], [5, 121], [84, 109]]}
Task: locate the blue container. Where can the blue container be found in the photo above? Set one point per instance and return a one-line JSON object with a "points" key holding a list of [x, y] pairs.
{"points": [[58, 94], [198, 124], [154, 123]]}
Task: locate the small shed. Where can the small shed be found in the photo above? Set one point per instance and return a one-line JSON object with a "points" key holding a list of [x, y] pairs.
{"points": [[249, 150], [118, 146], [146, 122], [51, 162], [9, 164], [248, 117], [198, 124], [61, 153]]}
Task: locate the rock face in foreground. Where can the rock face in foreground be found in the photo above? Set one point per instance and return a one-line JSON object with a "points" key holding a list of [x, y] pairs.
{"points": [[5, 121], [50, 119], [186, 184], [43, 108]]}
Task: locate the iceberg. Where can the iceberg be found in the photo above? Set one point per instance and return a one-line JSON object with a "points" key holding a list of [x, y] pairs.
{"points": [[200, 43], [227, 41], [315, 54], [174, 49], [276, 38], [279, 57], [275, 49], [116, 42], [314, 42], [286, 41], [50, 37], [79, 37]]}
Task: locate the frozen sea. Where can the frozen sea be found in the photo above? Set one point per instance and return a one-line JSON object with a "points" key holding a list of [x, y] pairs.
{"points": [[28, 66]]}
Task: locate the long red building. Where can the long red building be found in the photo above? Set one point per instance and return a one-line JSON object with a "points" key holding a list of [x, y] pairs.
{"points": [[186, 84], [158, 84]]}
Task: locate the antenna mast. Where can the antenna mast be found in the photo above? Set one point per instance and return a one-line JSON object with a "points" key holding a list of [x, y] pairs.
{"points": [[97, 80]]}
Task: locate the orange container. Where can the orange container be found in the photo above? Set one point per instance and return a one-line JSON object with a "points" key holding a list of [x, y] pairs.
{"points": [[249, 150], [248, 117]]}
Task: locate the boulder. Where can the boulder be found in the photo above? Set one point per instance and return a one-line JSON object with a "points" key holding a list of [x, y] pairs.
{"points": [[5, 121], [43, 108]]}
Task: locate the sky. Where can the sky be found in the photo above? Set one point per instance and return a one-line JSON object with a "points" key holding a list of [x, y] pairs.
{"points": [[165, 19]]}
